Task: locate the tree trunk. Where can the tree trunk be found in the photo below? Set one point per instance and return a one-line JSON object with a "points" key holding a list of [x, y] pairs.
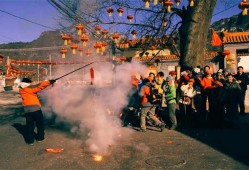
{"points": [[193, 32]]}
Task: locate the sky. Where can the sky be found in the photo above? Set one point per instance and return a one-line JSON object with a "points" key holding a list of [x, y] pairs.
{"points": [[14, 29]]}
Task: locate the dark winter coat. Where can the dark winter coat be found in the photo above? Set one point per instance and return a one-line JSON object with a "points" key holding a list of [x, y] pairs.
{"points": [[244, 80], [232, 93]]}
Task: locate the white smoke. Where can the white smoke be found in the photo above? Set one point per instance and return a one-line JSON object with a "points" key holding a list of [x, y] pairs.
{"points": [[94, 110]]}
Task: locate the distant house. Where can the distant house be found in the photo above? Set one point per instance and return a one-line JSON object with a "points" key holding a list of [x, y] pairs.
{"points": [[237, 46]]}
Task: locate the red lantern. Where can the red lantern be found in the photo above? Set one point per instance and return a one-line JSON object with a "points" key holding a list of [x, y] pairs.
{"points": [[130, 17], [134, 33], [244, 5], [71, 39], [104, 44], [83, 32], [168, 5], [115, 37], [79, 27], [126, 43], [97, 28], [177, 2], [120, 11], [147, 3], [80, 49], [104, 33], [191, 2], [109, 11], [74, 47], [63, 51], [84, 40], [225, 52], [66, 38], [98, 46], [88, 52]]}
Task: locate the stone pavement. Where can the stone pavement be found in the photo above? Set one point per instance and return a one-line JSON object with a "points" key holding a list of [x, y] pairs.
{"points": [[182, 149]]}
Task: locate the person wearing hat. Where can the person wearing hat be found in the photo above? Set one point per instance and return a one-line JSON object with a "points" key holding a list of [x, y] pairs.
{"points": [[173, 74], [32, 109]]}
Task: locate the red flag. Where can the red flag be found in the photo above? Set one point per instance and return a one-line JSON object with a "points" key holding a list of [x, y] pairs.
{"points": [[216, 41]]}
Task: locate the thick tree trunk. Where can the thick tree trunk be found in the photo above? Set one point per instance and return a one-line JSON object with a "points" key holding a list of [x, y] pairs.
{"points": [[193, 32]]}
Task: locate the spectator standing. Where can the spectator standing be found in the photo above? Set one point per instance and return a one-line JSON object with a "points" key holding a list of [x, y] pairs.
{"points": [[217, 111], [159, 86], [197, 100], [185, 102], [243, 80], [170, 97], [129, 113], [207, 83], [231, 98]]}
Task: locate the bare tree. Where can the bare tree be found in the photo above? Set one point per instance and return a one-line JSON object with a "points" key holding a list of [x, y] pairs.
{"points": [[190, 23]]}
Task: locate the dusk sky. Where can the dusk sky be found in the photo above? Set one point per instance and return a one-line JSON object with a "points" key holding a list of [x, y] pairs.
{"points": [[14, 29]]}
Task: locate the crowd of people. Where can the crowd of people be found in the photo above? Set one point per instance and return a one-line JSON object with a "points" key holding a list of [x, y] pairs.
{"points": [[199, 98]]}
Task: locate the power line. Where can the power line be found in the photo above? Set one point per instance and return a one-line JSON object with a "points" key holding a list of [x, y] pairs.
{"points": [[28, 20], [225, 9]]}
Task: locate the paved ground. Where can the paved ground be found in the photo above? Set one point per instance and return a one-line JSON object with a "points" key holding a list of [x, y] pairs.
{"points": [[184, 149]]}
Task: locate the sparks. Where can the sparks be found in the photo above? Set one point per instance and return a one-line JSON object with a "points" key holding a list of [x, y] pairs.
{"points": [[97, 157]]}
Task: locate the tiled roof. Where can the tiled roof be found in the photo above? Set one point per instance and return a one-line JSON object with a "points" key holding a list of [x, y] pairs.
{"points": [[236, 37], [208, 55], [167, 57]]}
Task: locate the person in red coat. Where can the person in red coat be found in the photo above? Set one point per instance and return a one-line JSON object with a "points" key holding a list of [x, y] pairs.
{"points": [[32, 108]]}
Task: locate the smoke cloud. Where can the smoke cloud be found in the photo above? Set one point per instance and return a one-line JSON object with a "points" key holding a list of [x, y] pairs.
{"points": [[93, 110]]}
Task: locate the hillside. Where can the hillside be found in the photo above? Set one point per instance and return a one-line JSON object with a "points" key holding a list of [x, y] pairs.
{"points": [[236, 23], [46, 39], [40, 48]]}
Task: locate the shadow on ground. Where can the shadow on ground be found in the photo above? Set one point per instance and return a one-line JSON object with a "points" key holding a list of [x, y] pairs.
{"points": [[230, 141], [22, 129]]}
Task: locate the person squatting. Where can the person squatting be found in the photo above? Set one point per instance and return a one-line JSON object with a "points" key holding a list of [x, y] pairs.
{"points": [[199, 98]]}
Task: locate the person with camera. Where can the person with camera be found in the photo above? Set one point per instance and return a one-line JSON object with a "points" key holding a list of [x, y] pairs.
{"points": [[185, 101], [148, 107]]}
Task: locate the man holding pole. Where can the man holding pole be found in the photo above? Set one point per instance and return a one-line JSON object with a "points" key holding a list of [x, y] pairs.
{"points": [[32, 108]]}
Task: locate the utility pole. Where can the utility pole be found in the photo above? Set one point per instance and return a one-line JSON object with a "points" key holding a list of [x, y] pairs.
{"points": [[50, 67], [38, 73]]}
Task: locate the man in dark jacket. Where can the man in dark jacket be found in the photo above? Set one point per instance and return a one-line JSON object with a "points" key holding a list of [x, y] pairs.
{"points": [[243, 80], [231, 98]]}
